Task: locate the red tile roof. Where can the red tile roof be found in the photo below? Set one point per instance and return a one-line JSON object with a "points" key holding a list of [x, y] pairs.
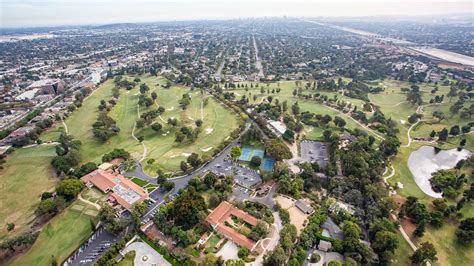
{"points": [[221, 213], [125, 192]]}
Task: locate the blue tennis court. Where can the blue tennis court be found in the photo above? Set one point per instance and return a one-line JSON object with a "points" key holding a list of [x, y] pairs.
{"points": [[267, 164], [249, 152]]}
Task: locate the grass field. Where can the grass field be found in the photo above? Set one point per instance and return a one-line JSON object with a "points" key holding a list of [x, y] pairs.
{"points": [[218, 123], [393, 104], [60, 237], [444, 239], [211, 243], [25, 175], [286, 93], [402, 254], [128, 259]]}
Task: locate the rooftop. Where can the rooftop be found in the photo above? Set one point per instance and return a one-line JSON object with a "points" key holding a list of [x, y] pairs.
{"points": [[221, 213], [125, 192]]}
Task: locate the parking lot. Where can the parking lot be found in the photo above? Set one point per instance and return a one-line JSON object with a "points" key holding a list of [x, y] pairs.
{"points": [[92, 249], [244, 176], [314, 151]]}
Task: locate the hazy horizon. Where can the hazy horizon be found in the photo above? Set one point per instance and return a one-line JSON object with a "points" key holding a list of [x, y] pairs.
{"points": [[43, 13]]}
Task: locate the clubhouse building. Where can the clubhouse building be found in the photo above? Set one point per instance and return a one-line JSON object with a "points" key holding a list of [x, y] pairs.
{"points": [[123, 192]]}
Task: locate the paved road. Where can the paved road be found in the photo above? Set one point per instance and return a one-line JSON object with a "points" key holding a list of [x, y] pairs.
{"points": [[98, 243]]}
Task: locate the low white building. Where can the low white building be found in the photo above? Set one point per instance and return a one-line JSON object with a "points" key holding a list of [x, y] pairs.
{"points": [[277, 127]]}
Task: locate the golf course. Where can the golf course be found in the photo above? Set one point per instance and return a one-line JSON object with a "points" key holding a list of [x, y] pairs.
{"points": [[218, 123]]}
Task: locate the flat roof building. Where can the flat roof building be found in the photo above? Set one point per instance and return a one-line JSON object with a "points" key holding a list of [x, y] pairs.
{"points": [[124, 191]]}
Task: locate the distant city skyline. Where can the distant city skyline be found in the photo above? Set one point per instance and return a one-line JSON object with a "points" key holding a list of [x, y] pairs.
{"points": [[31, 13]]}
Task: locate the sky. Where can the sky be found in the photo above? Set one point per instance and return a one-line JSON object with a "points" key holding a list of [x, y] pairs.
{"points": [[28, 13]]}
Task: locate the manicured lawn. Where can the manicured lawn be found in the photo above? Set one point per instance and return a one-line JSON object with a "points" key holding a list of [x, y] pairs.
{"points": [[444, 239], [139, 182], [450, 252], [60, 237], [211, 243], [312, 106], [218, 123], [25, 175], [128, 259], [402, 253], [94, 195]]}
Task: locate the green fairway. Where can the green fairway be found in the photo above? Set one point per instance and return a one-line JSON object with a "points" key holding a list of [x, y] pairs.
{"points": [[25, 175], [444, 239], [60, 237], [402, 253], [450, 252], [219, 122], [312, 106]]}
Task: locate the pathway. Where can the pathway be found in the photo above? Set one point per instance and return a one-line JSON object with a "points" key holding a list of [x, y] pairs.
{"points": [[385, 178], [404, 234], [145, 151], [408, 134], [274, 239], [97, 206], [359, 123], [65, 127]]}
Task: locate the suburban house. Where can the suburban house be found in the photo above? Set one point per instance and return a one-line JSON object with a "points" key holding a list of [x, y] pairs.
{"points": [[331, 229], [222, 214], [346, 139], [324, 245], [124, 193], [304, 207]]}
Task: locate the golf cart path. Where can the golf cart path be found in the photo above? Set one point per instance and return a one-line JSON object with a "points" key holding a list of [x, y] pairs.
{"points": [[65, 127], [145, 151], [359, 123], [97, 206]]}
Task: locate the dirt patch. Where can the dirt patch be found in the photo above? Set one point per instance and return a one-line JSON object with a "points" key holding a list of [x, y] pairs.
{"points": [[408, 226], [297, 218], [399, 200], [154, 234], [284, 202]]}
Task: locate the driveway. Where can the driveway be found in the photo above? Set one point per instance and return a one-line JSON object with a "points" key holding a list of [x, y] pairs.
{"points": [[145, 255], [229, 251], [326, 257], [274, 239]]}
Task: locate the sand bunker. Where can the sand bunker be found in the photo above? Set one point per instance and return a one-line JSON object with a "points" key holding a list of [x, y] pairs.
{"points": [[185, 154], [206, 149], [209, 130], [165, 134], [171, 108], [174, 156], [402, 121]]}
